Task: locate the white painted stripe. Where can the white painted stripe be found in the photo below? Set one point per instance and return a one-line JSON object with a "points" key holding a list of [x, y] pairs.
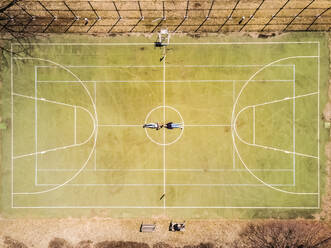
{"points": [[233, 158], [75, 124], [294, 96], [207, 125], [262, 146], [119, 125], [207, 66], [95, 135], [273, 148], [36, 124], [285, 99], [185, 125], [235, 133], [111, 66], [253, 124], [318, 154], [45, 100], [87, 44], [233, 100], [318, 124], [95, 130], [164, 134], [57, 148], [12, 124], [245, 43], [170, 170], [160, 185], [156, 66], [159, 207], [161, 81], [152, 43]]}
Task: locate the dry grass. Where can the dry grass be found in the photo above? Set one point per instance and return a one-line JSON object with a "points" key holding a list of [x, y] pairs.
{"points": [[43, 232], [222, 18], [326, 213]]}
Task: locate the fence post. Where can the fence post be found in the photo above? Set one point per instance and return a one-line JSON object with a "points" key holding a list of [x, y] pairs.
{"points": [[252, 16], [141, 18], [185, 17], [318, 16], [288, 24], [96, 14], [274, 15], [119, 17], [229, 16], [210, 9], [53, 17]]}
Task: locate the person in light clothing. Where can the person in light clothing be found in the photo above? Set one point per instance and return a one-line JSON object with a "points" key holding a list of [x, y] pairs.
{"points": [[155, 126]]}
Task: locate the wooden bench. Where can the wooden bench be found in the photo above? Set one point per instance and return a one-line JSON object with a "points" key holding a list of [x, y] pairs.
{"points": [[147, 227]]}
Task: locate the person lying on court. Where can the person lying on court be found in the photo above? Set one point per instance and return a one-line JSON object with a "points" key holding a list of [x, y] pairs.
{"points": [[155, 126], [171, 125]]}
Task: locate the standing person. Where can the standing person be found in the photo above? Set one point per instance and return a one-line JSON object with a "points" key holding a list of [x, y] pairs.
{"points": [[241, 20], [171, 125], [155, 126]]}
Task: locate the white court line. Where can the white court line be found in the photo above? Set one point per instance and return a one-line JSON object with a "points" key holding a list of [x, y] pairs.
{"points": [[234, 131], [164, 134], [159, 207], [244, 43], [119, 125], [50, 150], [86, 44], [36, 124], [228, 207], [95, 130], [253, 124], [284, 99], [57, 148], [233, 99], [269, 147], [233, 159], [54, 102], [161, 81], [156, 66], [207, 66], [12, 123], [176, 170], [185, 125], [45, 100], [95, 136], [102, 81], [207, 125], [169, 184], [318, 124], [112, 66], [75, 124], [293, 125], [152, 44]]}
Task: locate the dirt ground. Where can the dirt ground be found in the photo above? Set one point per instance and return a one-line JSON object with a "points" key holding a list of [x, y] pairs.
{"points": [[39, 233], [327, 115]]}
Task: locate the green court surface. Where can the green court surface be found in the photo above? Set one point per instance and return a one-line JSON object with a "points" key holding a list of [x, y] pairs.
{"points": [[251, 145]]}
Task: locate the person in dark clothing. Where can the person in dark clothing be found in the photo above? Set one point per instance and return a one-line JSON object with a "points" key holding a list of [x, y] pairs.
{"points": [[171, 125]]}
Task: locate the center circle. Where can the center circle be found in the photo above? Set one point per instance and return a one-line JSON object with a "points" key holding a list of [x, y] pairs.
{"points": [[164, 114]]}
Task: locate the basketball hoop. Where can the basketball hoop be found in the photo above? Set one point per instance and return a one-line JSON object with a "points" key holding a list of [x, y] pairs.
{"points": [[164, 37]]}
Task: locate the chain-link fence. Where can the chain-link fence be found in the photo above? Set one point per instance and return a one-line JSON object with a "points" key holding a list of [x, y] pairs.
{"points": [[147, 16]]}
